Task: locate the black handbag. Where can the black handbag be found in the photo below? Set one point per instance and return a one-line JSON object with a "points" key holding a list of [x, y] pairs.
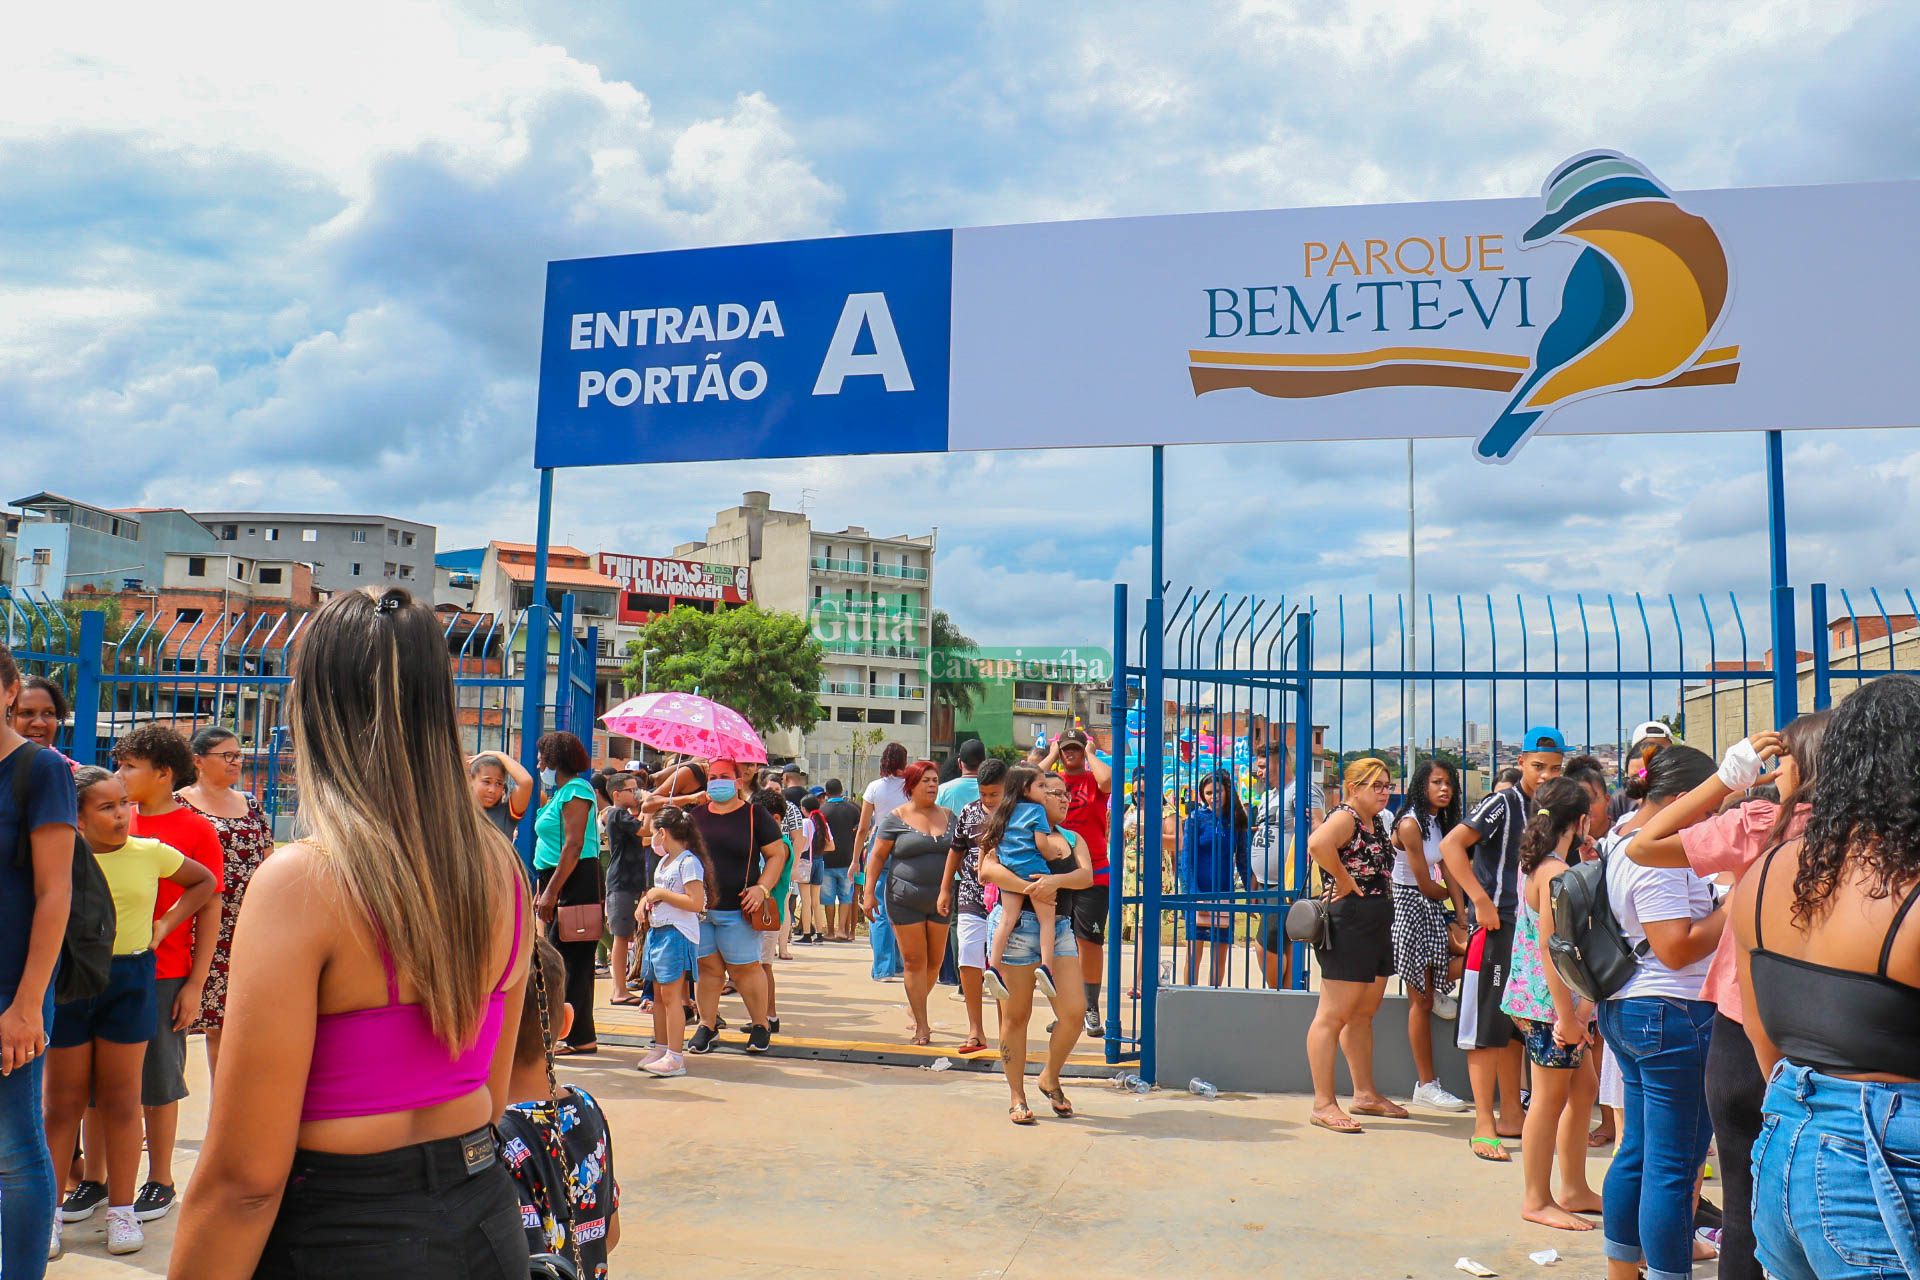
{"points": [[1310, 920]]}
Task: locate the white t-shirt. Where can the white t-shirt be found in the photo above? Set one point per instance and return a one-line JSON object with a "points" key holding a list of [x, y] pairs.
{"points": [[1403, 869], [1640, 894], [674, 875], [885, 795], [1273, 820]]}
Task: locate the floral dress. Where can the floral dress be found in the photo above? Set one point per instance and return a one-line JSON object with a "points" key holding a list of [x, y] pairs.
{"points": [[245, 843]]}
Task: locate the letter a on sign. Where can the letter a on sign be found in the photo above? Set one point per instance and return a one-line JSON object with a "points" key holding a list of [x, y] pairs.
{"points": [[887, 360]]}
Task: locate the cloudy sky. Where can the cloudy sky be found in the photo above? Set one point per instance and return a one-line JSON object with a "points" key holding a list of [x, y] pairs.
{"points": [[249, 260]]}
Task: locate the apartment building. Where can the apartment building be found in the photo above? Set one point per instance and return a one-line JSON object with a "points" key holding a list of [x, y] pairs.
{"points": [[869, 600], [61, 545], [346, 551]]}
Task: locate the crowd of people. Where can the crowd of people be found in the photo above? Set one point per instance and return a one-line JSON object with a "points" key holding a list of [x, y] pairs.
{"points": [[383, 999]]}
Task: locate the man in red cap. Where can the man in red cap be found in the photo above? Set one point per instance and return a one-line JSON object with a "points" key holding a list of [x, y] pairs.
{"points": [[1089, 786]]}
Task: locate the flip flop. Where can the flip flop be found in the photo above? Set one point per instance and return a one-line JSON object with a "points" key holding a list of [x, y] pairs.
{"points": [[1499, 1152], [972, 1044], [1058, 1098], [625, 1000], [1390, 1111], [1340, 1125], [1021, 1114], [568, 1051]]}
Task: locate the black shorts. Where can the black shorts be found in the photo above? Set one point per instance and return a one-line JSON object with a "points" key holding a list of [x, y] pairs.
{"points": [[443, 1210], [1489, 961], [1362, 940], [1089, 914]]}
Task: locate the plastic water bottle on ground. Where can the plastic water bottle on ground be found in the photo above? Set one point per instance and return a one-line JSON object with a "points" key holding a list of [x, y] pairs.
{"points": [[1201, 1089]]}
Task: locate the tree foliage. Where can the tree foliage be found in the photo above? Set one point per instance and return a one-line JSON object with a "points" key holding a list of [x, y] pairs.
{"points": [[764, 665], [964, 693]]}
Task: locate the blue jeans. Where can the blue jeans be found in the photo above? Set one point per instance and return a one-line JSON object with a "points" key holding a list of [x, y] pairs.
{"points": [[26, 1170], [886, 951], [1836, 1177], [1661, 1044], [836, 886]]}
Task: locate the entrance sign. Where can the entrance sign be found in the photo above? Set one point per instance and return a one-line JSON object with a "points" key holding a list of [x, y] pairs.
{"points": [[1490, 320]]}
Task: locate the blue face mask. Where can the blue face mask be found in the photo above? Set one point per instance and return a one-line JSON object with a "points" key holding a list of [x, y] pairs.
{"points": [[546, 778], [722, 790]]}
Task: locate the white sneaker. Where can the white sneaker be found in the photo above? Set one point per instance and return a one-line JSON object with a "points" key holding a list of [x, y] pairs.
{"points": [[1434, 1097], [666, 1066], [1446, 1008], [652, 1056], [123, 1231], [53, 1246]]}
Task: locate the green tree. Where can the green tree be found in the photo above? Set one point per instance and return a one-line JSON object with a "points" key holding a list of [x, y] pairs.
{"points": [[860, 743], [764, 665], [963, 693], [1010, 753]]}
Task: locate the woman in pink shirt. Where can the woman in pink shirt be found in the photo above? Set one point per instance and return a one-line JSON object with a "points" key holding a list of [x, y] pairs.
{"points": [[1730, 842]]}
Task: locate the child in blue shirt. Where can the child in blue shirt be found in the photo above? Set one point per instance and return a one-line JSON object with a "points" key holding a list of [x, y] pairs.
{"points": [[1025, 842]]}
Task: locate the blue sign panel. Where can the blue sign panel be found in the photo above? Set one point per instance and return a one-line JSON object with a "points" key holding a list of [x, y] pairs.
{"points": [[787, 350]]}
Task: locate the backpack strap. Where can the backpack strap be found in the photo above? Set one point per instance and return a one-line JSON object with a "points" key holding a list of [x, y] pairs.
{"points": [[22, 793]]}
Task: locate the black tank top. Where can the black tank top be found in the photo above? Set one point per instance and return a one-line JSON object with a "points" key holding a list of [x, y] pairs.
{"points": [[1837, 1020]]}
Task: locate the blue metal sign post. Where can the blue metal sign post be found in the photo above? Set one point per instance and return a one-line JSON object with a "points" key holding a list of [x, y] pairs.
{"points": [[1786, 651]]}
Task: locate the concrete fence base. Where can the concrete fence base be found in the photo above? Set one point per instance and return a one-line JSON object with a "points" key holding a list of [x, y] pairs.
{"points": [[1256, 1042]]}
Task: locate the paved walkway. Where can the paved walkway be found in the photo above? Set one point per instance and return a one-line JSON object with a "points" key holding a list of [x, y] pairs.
{"points": [[760, 1167]]}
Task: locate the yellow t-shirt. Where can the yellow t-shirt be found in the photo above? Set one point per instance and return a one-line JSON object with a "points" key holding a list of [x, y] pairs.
{"points": [[134, 872]]}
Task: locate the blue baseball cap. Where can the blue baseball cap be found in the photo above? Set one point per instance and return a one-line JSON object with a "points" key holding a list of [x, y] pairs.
{"points": [[1543, 739]]}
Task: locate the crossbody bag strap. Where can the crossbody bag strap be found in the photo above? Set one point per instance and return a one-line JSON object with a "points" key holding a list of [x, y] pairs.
{"points": [[22, 795], [753, 844]]}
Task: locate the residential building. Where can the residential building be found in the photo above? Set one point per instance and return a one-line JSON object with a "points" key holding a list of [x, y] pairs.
{"points": [[62, 545], [346, 551], [503, 587], [870, 602]]}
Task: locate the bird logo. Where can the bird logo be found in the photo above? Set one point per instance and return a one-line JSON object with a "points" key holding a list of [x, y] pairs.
{"points": [[1639, 306]]}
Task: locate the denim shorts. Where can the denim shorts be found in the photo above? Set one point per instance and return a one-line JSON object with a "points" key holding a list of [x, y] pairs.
{"points": [[729, 933], [623, 919], [670, 955], [1023, 948], [1836, 1177], [836, 889], [122, 1014]]}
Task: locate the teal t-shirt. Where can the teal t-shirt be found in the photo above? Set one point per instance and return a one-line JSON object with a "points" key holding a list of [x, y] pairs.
{"points": [[550, 830], [957, 793]]}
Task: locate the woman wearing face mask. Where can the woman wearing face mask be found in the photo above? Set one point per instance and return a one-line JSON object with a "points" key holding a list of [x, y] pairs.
{"points": [[566, 867], [744, 845]]}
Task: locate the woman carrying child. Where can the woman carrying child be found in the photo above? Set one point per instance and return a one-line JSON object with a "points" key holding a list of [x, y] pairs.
{"points": [[1027, 843], [1555, 1023], [1021, 969]]}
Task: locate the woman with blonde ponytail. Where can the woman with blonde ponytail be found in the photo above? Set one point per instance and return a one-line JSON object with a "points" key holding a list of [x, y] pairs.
{"points": [[374, 965]]}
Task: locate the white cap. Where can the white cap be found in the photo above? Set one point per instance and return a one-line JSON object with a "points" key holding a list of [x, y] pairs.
{"points": [[1650, 729]]}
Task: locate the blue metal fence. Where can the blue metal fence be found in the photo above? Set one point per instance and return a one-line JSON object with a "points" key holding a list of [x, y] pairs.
{"points": [[192, 670], [1209, 675]]}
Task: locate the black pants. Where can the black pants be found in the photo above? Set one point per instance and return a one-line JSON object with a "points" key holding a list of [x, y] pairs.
{"points": [[442, 1210], [583, 886], [1735, 1091]]}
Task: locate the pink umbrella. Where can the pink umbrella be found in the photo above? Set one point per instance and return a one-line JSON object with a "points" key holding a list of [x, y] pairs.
{"points": [[688, 724]]}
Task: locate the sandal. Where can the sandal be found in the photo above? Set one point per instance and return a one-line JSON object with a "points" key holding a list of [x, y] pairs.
{"points": [[1491, 1150], [1391, 1111], [625, 1000], [972, 1044], [1058, 1097], [1336, 1124], [564, 1050], [1021, 1114]]}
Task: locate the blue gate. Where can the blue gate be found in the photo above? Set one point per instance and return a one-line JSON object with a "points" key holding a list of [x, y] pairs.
{"points": [[192, 671], [1207, 675]]}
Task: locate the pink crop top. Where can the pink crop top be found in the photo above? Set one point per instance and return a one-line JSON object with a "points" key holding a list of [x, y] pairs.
{"points": [[369, 1062]]}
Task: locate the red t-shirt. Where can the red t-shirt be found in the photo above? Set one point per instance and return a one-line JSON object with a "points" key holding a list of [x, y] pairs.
{"points": [[194, 837], [1087, 818]]}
